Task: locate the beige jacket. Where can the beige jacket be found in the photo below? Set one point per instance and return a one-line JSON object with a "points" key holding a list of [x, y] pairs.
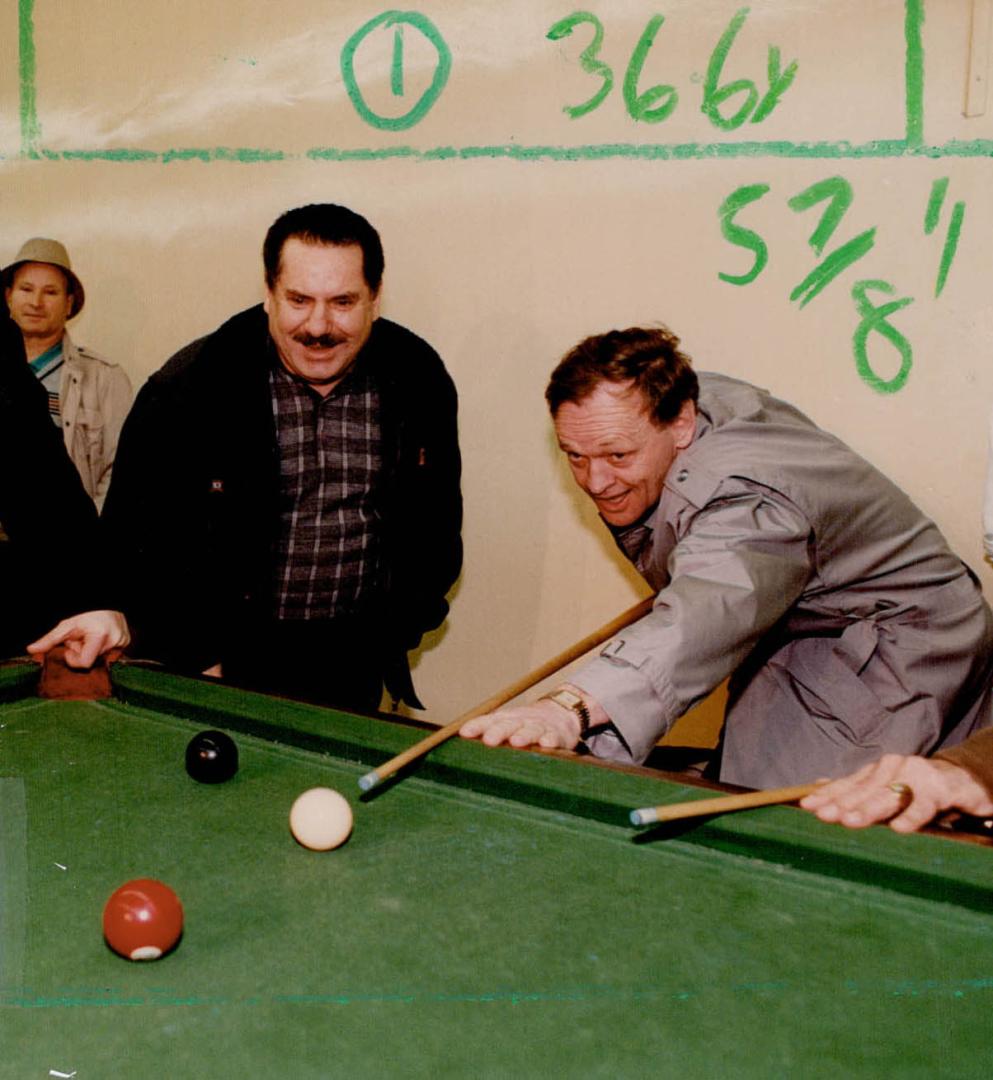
{"points": [[94, 399]]}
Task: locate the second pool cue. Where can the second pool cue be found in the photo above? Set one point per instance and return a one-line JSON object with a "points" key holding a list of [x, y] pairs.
{"points": [[387, 769], [722, 804]]}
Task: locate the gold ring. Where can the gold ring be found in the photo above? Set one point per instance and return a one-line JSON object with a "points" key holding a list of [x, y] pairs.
{"points": [[903, 790]]}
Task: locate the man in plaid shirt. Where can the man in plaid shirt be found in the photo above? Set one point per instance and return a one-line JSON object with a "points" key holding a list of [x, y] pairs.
{"points": [[286, 500]]}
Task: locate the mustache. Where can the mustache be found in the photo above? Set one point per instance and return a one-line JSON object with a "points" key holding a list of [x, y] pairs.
{"points": [[323, 341]]}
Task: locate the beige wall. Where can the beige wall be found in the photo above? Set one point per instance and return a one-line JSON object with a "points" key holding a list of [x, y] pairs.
{"points": [[505, 261]]}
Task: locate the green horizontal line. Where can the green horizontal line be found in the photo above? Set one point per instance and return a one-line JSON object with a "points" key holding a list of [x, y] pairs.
{"points": [[101, 155], [868, 988], [680, 151], [330, 153], [958, 148], [875, 149]]}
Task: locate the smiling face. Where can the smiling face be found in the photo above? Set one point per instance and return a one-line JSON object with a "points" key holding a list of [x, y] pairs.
{"points": [[39, 302], [321, 311], [618, 454]]}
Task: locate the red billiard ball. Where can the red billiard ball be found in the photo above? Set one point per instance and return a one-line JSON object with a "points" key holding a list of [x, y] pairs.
{"points": [[143, 919]]}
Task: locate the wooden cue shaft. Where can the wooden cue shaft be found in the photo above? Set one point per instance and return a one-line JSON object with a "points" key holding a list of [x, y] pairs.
{"points": [[381, 772], [722, 804]]}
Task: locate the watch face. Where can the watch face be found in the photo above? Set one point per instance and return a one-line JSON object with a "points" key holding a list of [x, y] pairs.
{"points": [[567, 698]]}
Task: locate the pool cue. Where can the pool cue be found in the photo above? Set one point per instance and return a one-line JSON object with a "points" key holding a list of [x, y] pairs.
{"points": [[382, 772], [722, 804]]}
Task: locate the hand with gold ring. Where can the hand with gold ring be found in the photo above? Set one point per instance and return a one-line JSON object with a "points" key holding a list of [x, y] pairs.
{"points": [[906, 792]]}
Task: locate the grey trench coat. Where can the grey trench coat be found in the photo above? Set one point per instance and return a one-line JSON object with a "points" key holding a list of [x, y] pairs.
{"points": [[784, 560]]}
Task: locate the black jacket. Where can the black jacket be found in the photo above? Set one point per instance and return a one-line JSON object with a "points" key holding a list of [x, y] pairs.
{"points": [[193, 504], [51, 565]]}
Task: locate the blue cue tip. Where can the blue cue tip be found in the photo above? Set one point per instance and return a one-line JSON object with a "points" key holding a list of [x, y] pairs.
{"points": [[369, 781]]}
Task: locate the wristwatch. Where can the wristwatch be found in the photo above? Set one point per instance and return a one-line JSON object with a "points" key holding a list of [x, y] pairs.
{"points": [[570, 700]]}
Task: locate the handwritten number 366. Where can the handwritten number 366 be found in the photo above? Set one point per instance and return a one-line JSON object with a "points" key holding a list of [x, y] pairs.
{"points": [[658, 102]]}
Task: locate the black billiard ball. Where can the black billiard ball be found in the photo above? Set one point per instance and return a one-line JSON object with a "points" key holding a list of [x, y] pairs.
{"points": [[211, 757]]}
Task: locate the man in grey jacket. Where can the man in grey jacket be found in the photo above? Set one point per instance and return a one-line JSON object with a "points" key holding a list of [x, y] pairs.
{"points": [[88, 396], [780, 558]]}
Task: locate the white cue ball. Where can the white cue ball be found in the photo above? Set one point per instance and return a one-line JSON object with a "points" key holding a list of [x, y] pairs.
{"points": [[321, 819]]}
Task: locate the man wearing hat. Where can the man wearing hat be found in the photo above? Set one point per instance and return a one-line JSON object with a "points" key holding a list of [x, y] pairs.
{"points": [[88, 396]]}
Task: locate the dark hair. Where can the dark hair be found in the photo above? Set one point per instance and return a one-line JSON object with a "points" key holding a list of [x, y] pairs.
{"points": [[324, 223], [647, 357]]}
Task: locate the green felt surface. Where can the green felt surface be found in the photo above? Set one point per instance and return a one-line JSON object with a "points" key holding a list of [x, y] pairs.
{"points": [[491, 916], [13, 880]]}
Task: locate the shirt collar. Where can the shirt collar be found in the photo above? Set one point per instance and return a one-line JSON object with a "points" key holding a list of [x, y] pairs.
{"points": [[41, 364]]}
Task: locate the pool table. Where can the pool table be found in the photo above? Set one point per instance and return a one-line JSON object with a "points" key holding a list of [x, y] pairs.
{"points": [[493, 914]]}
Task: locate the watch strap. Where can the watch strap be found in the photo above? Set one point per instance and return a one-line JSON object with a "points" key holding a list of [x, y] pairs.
{"points": [[570, 700]]}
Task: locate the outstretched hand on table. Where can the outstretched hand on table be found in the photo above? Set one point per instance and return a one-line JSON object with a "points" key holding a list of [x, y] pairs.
{"points": [[86, 637], [906, 792]]}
